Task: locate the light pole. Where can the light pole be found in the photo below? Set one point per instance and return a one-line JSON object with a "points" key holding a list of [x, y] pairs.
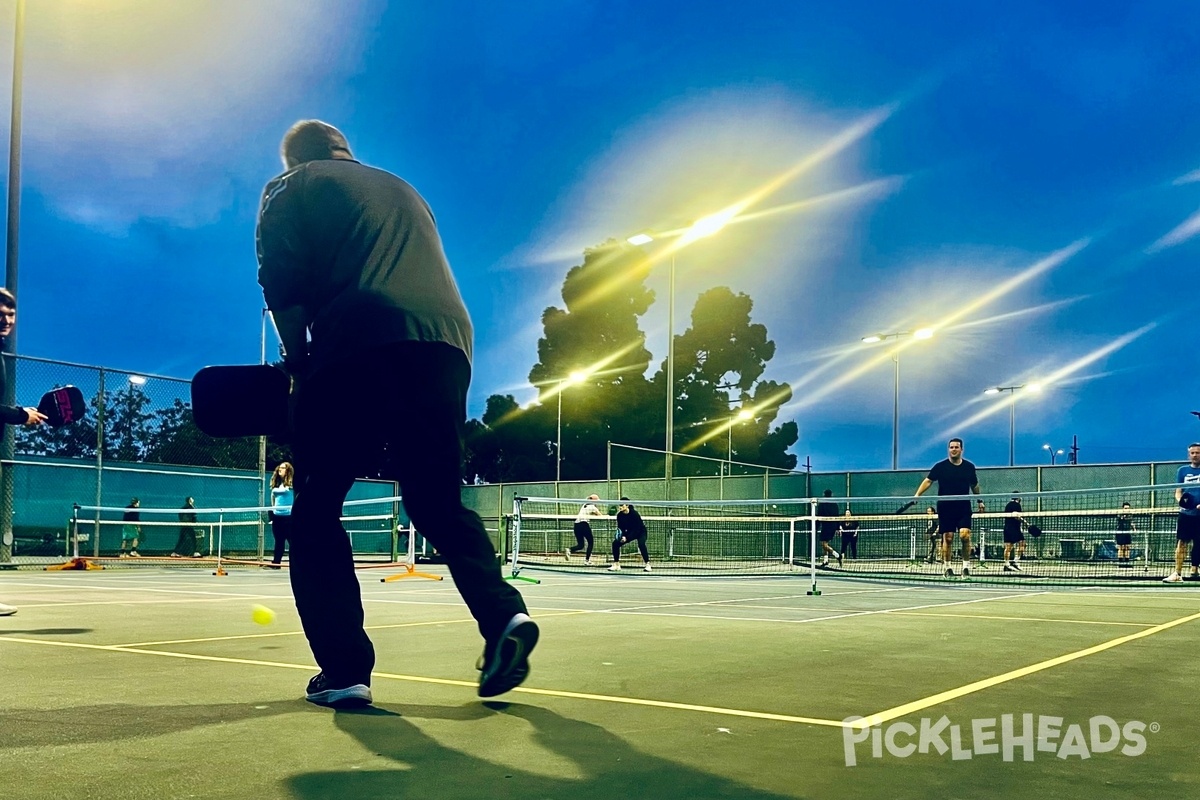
{"points": [[572, 379], [705, 226], [14, 161], [1012, 411], [743, 414], [10, 274], [1053, 453], [920, 333]]}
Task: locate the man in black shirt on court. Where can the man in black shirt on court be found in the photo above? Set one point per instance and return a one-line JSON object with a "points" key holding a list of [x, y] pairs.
{"points": [[378, 342], [1014, 537], [955, 478]]}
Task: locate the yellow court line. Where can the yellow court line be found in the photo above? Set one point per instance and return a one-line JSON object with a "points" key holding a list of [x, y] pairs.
{"points": [[1025, 619], [155, 602], [265, 635], [729, 712], [978, 686]]}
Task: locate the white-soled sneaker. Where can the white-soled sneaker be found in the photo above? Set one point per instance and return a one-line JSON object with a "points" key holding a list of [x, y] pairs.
{"points": [[1174, 577], [615, 568], [506, 662], [322, 692], [646, 568], [7, 611]]}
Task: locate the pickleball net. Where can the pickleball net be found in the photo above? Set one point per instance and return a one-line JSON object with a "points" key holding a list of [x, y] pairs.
{"points": [[1077, 536], [99, 536]]}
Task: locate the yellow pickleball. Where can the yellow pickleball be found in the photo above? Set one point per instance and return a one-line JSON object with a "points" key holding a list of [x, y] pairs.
{"points": [[262, 615]]}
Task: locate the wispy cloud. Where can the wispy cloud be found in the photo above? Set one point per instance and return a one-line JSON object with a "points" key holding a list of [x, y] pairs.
{"points": [[1178, 235], [1191, 177]]}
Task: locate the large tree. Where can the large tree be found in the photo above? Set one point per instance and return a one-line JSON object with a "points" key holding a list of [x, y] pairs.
{"points": [[720, 358], [719, 363]]}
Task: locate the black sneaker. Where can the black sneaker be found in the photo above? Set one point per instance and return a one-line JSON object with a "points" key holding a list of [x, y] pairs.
{"points": [[949, 572], [966, 572], [323, 693], [506, 663]]}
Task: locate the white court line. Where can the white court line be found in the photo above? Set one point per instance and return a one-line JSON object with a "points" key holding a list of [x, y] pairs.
{"points": [[642, 612]]}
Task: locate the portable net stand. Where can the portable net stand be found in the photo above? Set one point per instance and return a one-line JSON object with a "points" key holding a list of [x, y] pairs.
{"points": [[514, 570], [410, 568], [76, 560]]}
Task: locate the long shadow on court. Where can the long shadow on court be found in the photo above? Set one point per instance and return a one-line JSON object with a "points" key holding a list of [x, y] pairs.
{"points": [[48, 727], [610, 767]]}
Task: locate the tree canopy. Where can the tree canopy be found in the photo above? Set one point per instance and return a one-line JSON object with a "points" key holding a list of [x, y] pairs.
{"points": [[719, 363]]}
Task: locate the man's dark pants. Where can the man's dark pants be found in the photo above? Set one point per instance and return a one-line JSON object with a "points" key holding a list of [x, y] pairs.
{"points": [[397, 411]]}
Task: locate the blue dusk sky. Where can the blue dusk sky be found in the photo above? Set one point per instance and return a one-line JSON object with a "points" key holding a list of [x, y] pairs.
{"points": [[1022, 177]]}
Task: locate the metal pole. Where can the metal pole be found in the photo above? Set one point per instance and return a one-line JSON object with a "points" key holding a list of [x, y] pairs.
{"points": [[14, 162], [1012, 427], [895, 411], [264, 494], [10, 276], [670, 373], [558, 441], [101, 404], [729, 449]]}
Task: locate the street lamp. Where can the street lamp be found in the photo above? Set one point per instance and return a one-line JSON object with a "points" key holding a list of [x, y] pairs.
{"points": [[706, 226], [575, 377], [1053, 453], [1012, 411], [920, 333]]}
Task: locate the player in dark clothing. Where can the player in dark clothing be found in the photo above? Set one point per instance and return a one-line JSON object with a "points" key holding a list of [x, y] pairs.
{"points": [[189, 534], [827, 528], [1187, 524], [353, 272], [849, 529], [1013, 535], [11, 415], [633, 529], [1124, 536], [954, 476], [935, 538]]}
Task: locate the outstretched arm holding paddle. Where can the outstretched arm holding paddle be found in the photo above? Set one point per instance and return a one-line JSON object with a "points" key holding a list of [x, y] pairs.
{"points": [[12, 415]]}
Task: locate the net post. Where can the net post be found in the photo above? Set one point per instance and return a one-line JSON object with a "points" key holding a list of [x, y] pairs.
{"points": [[812, 547], [394, 527], [515, 571], [410, 565], [791, 543], [220, 543]]}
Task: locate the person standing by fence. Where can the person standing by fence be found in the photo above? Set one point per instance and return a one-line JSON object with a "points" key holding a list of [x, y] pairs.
{"points": [[189, 534], [131, 531], [282, 496]]}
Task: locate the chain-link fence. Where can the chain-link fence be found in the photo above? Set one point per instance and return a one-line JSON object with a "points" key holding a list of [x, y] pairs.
{"points": [[138, 438]]}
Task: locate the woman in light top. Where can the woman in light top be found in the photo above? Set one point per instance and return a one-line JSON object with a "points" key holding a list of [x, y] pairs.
{"points": [[281, 509], [583, 529]]}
